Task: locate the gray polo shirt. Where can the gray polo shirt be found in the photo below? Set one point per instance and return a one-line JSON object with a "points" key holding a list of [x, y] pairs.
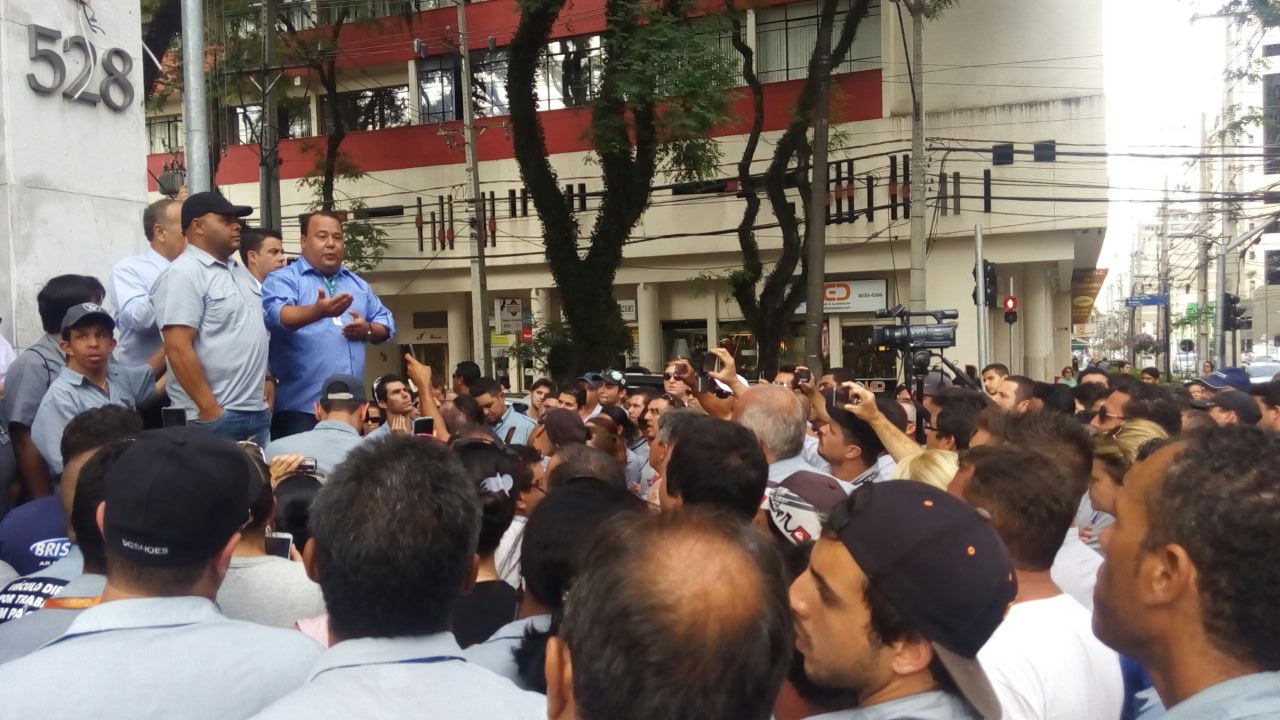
{"points": [[72, 393], [1251, 697], [328, 442], [223, 302], [402, 678], [34, 629], [934, 705], [498, 652], [515, 428], [157, 657], [29, 377]]}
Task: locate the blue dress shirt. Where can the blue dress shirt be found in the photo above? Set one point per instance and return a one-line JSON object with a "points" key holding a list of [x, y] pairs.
{"points": [[301, 359], [130, 292]]}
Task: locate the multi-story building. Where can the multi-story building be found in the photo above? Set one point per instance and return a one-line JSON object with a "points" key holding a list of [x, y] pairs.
{"points": [[1014, 125]]}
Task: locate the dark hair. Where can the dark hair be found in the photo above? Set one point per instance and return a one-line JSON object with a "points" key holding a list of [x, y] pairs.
{"points": [[786, 368], [636, 622], [1155, 403], [543, 383], [152, 580], [482, 461], [578, 462], [1268, 391], [1121, 382], [622, 421], [578, 391], [1028, 498], [957, 421], [398, 513], [380, 385], [1055, 396], [1000, 368], [306, 219], [718, 463], [151, 217], [485, 386], [96, 428], [294, 496], [1089, 393], [1064, 440], [841, 375], [1091, 370], [1219, 502], [63, 292], [857, 431], [893, 411], [1024, 385], [90, 489], [343, 406], [251, 240], [1151, 372], [467, 371], [262, 507], [472, 413], [559, 533], [887, 625]]}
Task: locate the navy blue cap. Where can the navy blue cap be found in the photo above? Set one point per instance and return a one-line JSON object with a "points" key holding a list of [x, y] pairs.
{"points": [[1229, 377]]}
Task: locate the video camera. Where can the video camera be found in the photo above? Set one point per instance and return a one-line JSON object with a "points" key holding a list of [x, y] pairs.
{"points": [[908, 337]]}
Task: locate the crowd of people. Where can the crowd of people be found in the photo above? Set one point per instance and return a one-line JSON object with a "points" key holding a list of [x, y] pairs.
{"points": [[216, 517]]}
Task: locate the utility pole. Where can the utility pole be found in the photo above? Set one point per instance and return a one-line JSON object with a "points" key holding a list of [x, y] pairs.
{"points": [[816, 217], [981, 292], [1166, 325], [1202, 255], [479, 227], [1228, 194], [269, 133], [195, 112], [919, 174]]}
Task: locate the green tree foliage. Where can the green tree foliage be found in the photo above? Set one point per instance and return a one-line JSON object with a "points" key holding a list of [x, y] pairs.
{"points": [[661, 93]]}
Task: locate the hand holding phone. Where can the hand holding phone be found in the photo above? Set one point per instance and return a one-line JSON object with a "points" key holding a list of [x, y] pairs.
{"points": [[278, 544], [308, 465], [424, 426], [801, 375]]}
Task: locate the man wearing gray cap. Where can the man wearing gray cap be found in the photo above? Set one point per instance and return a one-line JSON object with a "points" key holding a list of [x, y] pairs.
{"points": [[209, 309], [154, 644], [341, 415]]}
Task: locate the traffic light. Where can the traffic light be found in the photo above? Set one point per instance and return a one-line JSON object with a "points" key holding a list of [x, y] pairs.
{"points": [[989, 292], [1010, 309], [1232, 314]]}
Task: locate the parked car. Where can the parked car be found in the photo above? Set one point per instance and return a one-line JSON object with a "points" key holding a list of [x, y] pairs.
{"points": [[1262, 369]]}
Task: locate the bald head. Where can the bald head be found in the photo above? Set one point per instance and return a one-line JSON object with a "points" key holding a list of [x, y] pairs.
{"points": [[777, 418], [699, 627]]}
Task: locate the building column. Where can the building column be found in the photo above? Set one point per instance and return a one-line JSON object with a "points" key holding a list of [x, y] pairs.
{"points": [[1037, 334], [1060, 355], [459, 329], [712, 299], [836, 335], [649, 325]]}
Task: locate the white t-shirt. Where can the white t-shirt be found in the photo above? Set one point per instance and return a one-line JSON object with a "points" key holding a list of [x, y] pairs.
{"points": [[1075, 568], [1045, 664], [507, 556]]}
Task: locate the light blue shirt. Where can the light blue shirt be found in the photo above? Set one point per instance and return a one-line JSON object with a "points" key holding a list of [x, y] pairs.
{"points": [[34, 629], [223, 302], [328, 442], [72, 393], [402, 678], [29, 377], [301, 359], [498, 652], [518, 424], [934, 705], [1255, 697], [157, 658], [129, 292]]}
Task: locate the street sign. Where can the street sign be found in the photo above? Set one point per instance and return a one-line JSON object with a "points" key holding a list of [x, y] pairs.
{"points": [[510, 315], [1145, 300]]}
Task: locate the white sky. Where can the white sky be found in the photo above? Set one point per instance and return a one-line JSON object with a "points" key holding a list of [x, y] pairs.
{"points": [[1161, 71]]}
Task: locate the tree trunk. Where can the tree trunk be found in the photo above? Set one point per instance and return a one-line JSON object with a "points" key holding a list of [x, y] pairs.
{"points": [[166, 23]]}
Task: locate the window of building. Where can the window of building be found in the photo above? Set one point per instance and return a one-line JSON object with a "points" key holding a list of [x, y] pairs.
{"points": [[369, 109], [786, 35], [1271, 124], [244, 122], [489, 83], [164, 134], [370, 9], [569, 73], [437, 83]]}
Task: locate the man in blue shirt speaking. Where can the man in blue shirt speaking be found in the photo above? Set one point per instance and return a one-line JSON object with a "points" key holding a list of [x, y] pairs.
{"points": [[320, 316]]}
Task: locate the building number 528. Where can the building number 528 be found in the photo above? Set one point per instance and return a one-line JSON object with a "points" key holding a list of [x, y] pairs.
{"points": [[116, 63]]}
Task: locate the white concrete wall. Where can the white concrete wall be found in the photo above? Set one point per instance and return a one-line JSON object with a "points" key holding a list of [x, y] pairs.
{"points": [[72, 174]]}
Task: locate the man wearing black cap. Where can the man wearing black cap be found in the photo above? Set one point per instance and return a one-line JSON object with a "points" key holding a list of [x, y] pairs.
{"points": [[90, 380], [613, 389], [209, 309], [591, 383], [1230, 407], [905, 586], [156, 645], [340, 413]]}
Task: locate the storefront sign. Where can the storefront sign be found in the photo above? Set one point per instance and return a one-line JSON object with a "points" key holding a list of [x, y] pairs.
{"points": [[628, 309], [850, 296], [510, 315]]}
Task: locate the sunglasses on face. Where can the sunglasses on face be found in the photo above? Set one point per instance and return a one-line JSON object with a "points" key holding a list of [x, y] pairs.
{"points": [[1105, 415]]}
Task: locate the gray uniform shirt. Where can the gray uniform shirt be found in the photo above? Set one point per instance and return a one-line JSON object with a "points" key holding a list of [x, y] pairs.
{"points": [[33, 630], [934, 705], [328, 442], [156, 658], [498, 652], [72, 393], [402, 678], [1255, 697], [269, 591], [223, 302], [29, 377]]}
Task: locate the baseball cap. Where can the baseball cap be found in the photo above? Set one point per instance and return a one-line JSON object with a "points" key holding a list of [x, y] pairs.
{"points": [[1242, 404], [1230, 377], [940, 564], [935, 381], [614, 377], [83, 313], [800, 504], [594, 379], [343, 387], [176, 496], [564, 427], [205, 203]]}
